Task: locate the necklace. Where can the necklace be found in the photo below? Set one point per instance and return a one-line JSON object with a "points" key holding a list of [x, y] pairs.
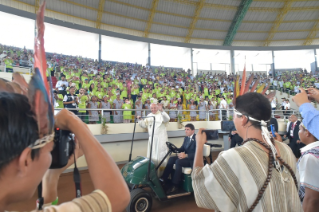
{"points": [[270, 167]]}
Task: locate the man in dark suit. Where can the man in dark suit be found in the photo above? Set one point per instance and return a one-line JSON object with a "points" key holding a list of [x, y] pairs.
{"points": [[184, 159], [293, 136], [274, 122]]}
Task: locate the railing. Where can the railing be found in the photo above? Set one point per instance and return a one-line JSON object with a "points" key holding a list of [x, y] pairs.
{"points": [[110, 115], [20, 69]]}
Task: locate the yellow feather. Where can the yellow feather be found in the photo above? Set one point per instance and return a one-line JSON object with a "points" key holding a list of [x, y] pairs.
{"points": [[261, 88], [237, 86]]}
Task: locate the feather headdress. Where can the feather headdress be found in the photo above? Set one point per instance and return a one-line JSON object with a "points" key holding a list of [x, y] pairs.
{"points": [[39, 90], [244, 87], [262, 89]]}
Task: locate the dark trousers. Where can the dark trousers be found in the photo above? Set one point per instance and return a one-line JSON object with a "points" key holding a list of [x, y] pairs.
{"points": [[74, 111], [9, 70], [134, 98], [296, 148], [82, 116], [180, 163], [63, 92], [224, 115]]}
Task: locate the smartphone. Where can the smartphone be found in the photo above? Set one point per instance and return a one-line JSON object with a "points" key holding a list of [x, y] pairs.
{"points": [[272, 128], [211, 134]]}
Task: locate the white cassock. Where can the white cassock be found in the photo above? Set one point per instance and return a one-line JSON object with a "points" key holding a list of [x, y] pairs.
{"points": [[159, 149]]}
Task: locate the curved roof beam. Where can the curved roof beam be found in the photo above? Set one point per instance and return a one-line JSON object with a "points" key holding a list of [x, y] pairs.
{"points": [[100, 14], [150, 18], [239, 16], [280, 17], [198, 9], [312, 34]]}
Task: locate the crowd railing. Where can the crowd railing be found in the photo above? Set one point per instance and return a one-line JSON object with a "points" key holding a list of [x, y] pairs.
{"points": [[109, 115], [19, 69]]}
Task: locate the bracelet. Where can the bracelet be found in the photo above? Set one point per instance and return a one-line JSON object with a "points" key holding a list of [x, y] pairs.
{"points": [[55, 202]]}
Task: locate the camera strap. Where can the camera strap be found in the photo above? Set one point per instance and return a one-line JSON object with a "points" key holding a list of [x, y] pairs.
{"points": [[77, 180], [40, 200]]}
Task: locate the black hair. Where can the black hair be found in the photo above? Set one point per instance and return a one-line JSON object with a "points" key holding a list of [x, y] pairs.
{"points": [[254, 105], [18, 127], [90, 88], [191, 126]]}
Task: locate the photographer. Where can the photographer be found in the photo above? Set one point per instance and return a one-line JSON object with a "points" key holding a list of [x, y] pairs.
{"points": [[22, 168], [252, 176], [71, 100], [62, 85], [307, 164]]}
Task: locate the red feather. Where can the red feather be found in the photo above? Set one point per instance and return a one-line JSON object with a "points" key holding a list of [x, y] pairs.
{"points": [[17, 78], [249, 83], [243, 81], [264, 91], [255, 84], [39, 52], [271, 95]]}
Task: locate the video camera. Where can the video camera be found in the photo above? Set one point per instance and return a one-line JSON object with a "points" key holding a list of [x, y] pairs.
{"points": [[64, 146]]}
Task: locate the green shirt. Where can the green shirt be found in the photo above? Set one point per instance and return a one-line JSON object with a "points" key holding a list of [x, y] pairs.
{"points": [[143, 81], [60, 102], [135, 91], [124, 93], [82, 103]]}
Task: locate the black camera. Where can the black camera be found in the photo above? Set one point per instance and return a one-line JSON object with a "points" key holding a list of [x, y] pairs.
{"points": [[63, 148], [227, 125]]}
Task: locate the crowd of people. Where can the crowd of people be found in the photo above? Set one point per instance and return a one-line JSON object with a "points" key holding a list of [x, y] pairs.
{"points": [[82, 83], [264, 173]]}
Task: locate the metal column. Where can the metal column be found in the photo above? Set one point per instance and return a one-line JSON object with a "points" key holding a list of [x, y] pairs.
{"points": [[316, 62], [100, 44], [192, 67], [232, 61], [273, 64], [149, 55]]}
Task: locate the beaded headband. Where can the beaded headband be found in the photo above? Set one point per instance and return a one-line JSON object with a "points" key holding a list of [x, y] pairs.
{"points": [[41, 142]]}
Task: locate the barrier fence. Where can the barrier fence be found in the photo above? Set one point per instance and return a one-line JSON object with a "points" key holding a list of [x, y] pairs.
{"points": [[97, 116]]}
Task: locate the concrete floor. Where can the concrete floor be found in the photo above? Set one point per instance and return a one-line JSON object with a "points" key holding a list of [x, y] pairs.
{"points": [[66, 192]]}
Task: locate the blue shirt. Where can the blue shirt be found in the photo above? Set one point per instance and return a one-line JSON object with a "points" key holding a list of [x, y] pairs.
{"points": [[311, 118]]}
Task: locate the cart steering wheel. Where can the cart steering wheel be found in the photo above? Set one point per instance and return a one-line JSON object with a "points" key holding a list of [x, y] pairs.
{"points": [[172, 147]]}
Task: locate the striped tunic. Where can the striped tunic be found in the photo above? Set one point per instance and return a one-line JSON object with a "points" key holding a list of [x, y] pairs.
{"points": [[97, 201], [233, 181]]}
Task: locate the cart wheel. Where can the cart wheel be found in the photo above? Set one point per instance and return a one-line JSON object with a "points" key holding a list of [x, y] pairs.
{"points": [[141, 201]]}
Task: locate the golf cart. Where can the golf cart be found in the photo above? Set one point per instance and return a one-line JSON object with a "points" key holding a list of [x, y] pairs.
{"points": [[141, 177]]}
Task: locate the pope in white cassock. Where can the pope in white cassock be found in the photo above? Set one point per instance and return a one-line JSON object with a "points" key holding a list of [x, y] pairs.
{"points": [[159, 149]]}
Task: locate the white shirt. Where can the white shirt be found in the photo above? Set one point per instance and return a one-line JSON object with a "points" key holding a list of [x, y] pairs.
{"points": [[308, 168], [223, 104], [60, 83], [287, 106], [191, 137], [273, 102]]}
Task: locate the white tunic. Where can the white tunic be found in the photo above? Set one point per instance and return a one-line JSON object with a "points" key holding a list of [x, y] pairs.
{"points": [[159, 149]]}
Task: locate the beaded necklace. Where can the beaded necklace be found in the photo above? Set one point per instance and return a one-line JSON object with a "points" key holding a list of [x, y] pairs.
{"points": [[270, 166]]}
